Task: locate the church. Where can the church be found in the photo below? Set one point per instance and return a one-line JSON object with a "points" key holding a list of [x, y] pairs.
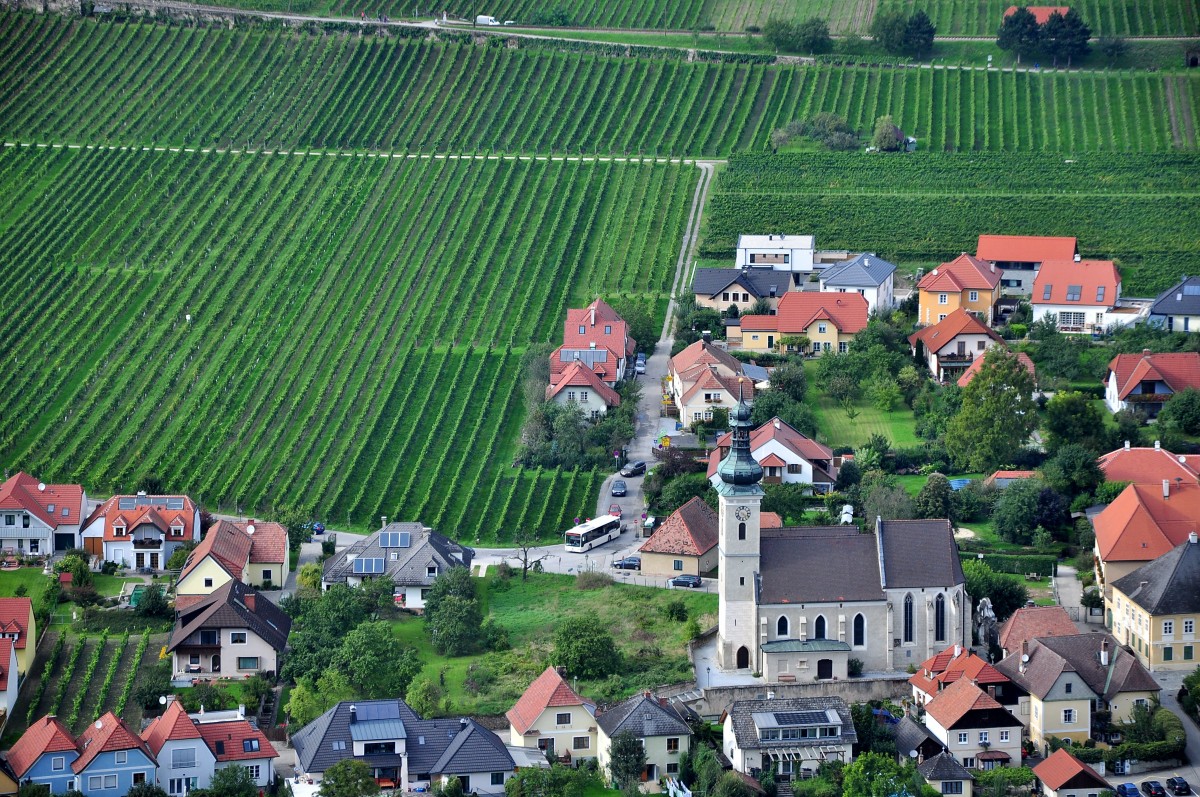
{"points": [[798, 604]]}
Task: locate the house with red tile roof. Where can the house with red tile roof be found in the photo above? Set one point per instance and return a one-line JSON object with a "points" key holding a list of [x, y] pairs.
{"points": [[1064, 775], [684, 543], [703, 377], [17, 622], [184, 761], [787, 456], [1020, 256], [45, 754], [957, 663], [829, 321], [953, 344], [238, 743], [1145, 465], [141, 530], [1081, 296], [1146, 381], [597, 338], [980, 732], [1143, 523], [8, 675], [1033, 622], [552, 717], [250, 551], [965, 282], [977, 365], [1040, 13], [40, 518], [583, 387], [111, 756]]}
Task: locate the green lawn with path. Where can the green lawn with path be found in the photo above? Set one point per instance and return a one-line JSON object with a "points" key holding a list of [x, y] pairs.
{"points": [[653, 646]]}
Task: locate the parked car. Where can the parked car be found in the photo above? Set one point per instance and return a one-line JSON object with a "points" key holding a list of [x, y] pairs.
{"points": [[685, 581], [628, 563], [634, 469], [619, 489], [1152, 788], [639, 367], [1178, 785], [615, 509], [1128, 790], [318, 528]]}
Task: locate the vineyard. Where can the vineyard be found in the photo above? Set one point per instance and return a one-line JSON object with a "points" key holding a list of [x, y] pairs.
{"points": [[79, 678], [338, 333], [143, 84], [1105, 17], [1141, 210]]}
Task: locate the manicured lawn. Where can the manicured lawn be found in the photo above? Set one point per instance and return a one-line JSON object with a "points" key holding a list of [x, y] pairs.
{"points": [[110, 586], [35, 583], [912, 484], [836, 428], [653, 646], [985, 532]]}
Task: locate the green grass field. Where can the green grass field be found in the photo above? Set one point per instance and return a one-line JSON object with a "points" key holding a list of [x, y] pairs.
{"points": [[32, 578], [836, 428], [1137, 209], [653, 646]]}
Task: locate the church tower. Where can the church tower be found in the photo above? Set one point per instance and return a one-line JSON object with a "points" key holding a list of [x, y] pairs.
{"points": [[737, 547]]}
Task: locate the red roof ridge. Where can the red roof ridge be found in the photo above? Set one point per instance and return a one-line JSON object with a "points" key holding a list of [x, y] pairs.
{"points": [[1060, 767], [958, 322], [47, 735], [1025, 248], [576, 375], [952, 703], [233, 734], [14, 618], [690, 530], [963, 272], [174, 724], [105, 735]]}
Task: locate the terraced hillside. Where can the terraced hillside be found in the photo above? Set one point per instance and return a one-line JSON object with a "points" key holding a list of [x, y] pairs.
{"points": [[341, 333], [144, 84], [1142, 210]]}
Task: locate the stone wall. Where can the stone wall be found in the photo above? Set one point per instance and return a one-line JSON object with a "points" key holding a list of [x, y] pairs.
{"points": [[716, 699]]}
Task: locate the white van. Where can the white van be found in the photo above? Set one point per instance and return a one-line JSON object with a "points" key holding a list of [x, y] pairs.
{"points": [[486, 20]]}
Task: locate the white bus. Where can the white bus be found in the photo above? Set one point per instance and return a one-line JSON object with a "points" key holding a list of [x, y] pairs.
{"points": [[588, 535]]}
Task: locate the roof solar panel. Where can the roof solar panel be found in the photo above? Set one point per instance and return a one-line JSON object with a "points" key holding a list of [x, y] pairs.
{"points": [[801, 718], [1191, 290], [389, 539], [126, 503], [385, 710], [175, 503], [405, 539]]}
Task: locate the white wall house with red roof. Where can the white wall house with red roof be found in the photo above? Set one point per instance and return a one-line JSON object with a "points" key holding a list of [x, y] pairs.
{"points": [[1020, 257], [552, 717], [1146, 381], [702, 378], [598, 338], [1081, 296], [39, 518], [953, 344], [581, 386], [141, 530], [18, 624], [786, 456]]}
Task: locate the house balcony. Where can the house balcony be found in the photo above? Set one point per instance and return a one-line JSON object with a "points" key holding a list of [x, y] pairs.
{"points": [[714, 400], [950, 360], [147, 545]]}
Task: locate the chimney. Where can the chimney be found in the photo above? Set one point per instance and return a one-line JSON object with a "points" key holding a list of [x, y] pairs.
{"points": [[1157, 445], [592, 345], [1103, 652], [353, 713], [1192, 538], [1166, 488], [1077, 257], [251, 601], [593, 315], [1126, 445], [993, 268], [1025, 647], [706, 335], [462, 723], [383, 521], [1145, 352], [957, 650], [777, 423]]}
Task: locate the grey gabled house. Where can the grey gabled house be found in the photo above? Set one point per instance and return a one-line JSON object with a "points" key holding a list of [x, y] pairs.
{"points": [[410, 554]]}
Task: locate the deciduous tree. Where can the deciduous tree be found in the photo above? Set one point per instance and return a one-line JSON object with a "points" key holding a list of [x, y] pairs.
{"points": [[997, 415], [348, 778], [585, 647], [1019, 33], [376, 663], [934, 500], [888, 30], [626, 759]]}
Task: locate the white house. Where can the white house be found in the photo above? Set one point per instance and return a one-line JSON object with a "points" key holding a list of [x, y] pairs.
{"points": [[702, 378], [787, 737], [235, 631], [141, 530], [1147, 381], [40, 518], [869, 276], [1064, 775], [974, 727], [657, 724], [786, 456], [552, 717], [777, 252], [1178, 307], [951, 345], [1082, 296], [583, 387]]}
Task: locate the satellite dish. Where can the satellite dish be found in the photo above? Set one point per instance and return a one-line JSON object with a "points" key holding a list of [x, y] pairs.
{"points": [[162, 700], [99, 724], [1025, 657], [912, 753], [250, 529], [41, 487]]}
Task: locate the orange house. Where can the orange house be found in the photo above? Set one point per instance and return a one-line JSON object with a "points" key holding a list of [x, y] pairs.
{"points": [[965, 282]]}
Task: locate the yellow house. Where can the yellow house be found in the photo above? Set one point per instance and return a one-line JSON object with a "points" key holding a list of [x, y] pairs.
{"points": [[946, 775], [965, 282], [1067, 677], [18, 623], [553, 718], [1154, 608], [828, 320], [685, 543], [718, 288], [251, 552], [657, 725]]}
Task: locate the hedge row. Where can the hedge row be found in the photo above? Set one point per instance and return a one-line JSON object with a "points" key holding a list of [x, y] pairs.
{"points": [[1042, 564]]}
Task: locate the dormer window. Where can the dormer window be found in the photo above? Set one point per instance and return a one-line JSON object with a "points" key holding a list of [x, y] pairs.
{"points": [[431, 571], [177, 530], [119, 531]]}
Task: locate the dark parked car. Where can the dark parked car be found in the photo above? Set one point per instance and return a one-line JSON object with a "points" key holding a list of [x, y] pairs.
{"points": [[629, 563], [1178, 785], [618, 489], [318, 528], [1152, 788], [685, 581], [1128, 790], [634, 469]]}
